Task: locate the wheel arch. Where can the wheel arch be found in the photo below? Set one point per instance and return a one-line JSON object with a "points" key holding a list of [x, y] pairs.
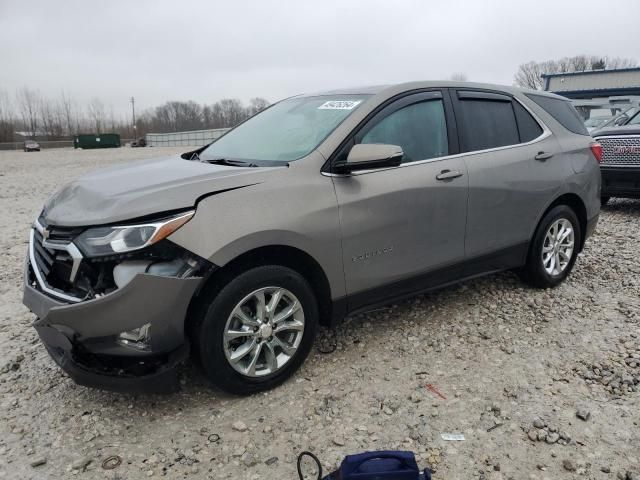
{"points": [[576, 203], [283, 255]]}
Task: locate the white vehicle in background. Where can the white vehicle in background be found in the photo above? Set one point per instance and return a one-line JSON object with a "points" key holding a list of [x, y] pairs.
{"points": [[605, 112]]}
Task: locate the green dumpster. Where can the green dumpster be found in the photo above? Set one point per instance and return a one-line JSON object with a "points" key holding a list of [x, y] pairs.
{"points": [[102, 140]]}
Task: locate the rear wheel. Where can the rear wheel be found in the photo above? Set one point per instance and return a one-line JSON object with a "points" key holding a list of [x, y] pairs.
{"points": [[257, 330], [554, 248]]}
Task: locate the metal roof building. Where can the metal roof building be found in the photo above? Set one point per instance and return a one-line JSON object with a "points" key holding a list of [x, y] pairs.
{"points": [[594, 83]]}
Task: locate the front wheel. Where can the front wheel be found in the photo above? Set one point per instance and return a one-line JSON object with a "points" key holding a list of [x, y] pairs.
{"points": [[554, 248], [257, 330]]}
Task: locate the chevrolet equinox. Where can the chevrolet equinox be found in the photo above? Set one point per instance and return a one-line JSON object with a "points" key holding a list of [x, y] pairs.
{"points": [[318, 207]]}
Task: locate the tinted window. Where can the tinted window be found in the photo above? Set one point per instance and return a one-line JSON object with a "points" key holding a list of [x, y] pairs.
{"points": [[420, 129], [527, 126], [563, 112], [487, 124]]}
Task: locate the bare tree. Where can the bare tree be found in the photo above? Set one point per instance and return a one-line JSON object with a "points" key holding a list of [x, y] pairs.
{"points": [[256, 104], [69, 113], [617, 62], [28, 102], [529, 75], [97, 116], [7, 120], [459, 77], [51, 118]]}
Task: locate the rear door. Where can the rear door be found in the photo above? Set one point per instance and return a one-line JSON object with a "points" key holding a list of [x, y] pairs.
{"points": [[401, 225], [513, 173]]}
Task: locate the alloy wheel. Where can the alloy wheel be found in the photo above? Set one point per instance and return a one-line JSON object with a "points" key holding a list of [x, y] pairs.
{"points": [[558, 245], [263, 332]]}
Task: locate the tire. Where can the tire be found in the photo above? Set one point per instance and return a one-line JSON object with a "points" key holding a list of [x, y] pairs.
{"points": [[534, 272], [604, 201], [277, 359]]}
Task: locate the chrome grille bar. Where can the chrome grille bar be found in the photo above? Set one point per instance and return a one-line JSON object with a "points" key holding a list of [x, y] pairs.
{"points": [[620, 150]]}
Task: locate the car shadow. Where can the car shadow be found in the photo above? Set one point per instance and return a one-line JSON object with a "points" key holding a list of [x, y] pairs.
{"points": [[623, 205]]}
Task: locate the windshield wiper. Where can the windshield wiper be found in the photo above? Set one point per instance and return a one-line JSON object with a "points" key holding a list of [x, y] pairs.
{"points": [[232, 163]]}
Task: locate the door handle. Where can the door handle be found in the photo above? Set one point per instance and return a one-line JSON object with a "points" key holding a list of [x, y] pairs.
{"points": [[543, 156], [448, 175]]}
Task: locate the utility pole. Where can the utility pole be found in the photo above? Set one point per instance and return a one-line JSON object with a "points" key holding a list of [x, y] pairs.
{"points": [[133, 115]]}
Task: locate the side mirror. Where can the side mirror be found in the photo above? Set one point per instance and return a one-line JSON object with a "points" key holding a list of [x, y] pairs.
{"points": [[621, 120], [365, 156]]}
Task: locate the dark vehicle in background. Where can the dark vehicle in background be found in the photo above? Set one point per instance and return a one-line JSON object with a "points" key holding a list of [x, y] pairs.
{"points": [[31, 146], [141, 142], [620, 164]]}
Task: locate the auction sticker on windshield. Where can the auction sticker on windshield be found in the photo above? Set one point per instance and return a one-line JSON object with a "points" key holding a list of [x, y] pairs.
{"points": [[339, 105]]}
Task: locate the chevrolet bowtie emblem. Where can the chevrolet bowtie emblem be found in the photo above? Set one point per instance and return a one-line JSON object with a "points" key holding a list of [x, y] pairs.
{"points": [[45, 233]]}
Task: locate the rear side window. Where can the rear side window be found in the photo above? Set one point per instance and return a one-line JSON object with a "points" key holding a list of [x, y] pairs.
{"points": [[487, 124], [527, 126], [563, 112]]}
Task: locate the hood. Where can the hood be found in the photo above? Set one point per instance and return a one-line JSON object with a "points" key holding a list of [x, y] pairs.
{"points": [[623, 130], [142, 188]]}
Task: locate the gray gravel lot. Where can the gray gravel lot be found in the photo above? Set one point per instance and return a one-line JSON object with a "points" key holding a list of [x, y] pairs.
{"points": [[543, 384]]}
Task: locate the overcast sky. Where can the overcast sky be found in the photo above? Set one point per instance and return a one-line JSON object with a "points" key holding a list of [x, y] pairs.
{"points": [[164, 50]]}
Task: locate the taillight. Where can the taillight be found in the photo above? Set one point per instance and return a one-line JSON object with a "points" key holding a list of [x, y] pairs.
{"points": [[596, 149]]}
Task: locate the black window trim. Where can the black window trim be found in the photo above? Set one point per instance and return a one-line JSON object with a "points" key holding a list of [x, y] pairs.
{"points": [[400, 101], [449, 97], [484, 94]]}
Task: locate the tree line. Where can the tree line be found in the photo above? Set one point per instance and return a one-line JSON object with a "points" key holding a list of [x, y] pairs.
{"points": [[529, 75], [58, 118], [45, 118]]}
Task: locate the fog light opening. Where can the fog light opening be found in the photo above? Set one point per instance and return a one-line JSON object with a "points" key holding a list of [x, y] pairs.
{"points": [[138, 338]]}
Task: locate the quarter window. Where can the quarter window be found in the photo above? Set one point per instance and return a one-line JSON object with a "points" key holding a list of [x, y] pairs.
{"points": [[563, 111], [487, 124], [420, 129]]}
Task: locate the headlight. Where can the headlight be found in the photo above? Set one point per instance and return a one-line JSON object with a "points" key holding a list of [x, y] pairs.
{"points": [[100, 241]]}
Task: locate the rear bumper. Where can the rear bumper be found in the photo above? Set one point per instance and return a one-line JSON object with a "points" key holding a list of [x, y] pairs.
{"points": [[81, 337], [620, 181]]}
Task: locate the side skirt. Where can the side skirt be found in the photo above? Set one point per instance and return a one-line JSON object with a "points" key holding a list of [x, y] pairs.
{"points": [[506, 259]]}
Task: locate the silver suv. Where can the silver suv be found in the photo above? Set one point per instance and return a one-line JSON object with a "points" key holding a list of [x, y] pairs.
{"points": [[320, 206]]}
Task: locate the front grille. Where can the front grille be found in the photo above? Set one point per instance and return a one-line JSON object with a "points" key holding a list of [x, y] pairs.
{"points": [[620, 150], [54, 263], [44, 257]]}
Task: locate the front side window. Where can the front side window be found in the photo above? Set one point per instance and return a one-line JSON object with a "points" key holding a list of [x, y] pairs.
{"points": [[287, 131], [487, 124], [420, 129], [635, 120]]}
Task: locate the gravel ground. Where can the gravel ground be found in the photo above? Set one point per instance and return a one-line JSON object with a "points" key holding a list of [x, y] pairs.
{"points": [[543, 384]]}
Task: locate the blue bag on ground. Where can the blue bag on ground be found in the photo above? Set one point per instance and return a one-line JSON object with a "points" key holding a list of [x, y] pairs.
{"points": [[382, 465]]}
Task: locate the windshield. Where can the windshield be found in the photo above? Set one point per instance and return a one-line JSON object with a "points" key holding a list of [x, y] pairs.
{"points": [[594, 122], [287, 131], [635, 120]]}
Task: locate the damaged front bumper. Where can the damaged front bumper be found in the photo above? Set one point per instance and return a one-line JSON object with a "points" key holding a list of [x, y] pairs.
{"points": [[86, 338]]}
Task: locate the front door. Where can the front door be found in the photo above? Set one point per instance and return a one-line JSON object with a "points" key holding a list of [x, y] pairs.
{"points": [[403, 228]]}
